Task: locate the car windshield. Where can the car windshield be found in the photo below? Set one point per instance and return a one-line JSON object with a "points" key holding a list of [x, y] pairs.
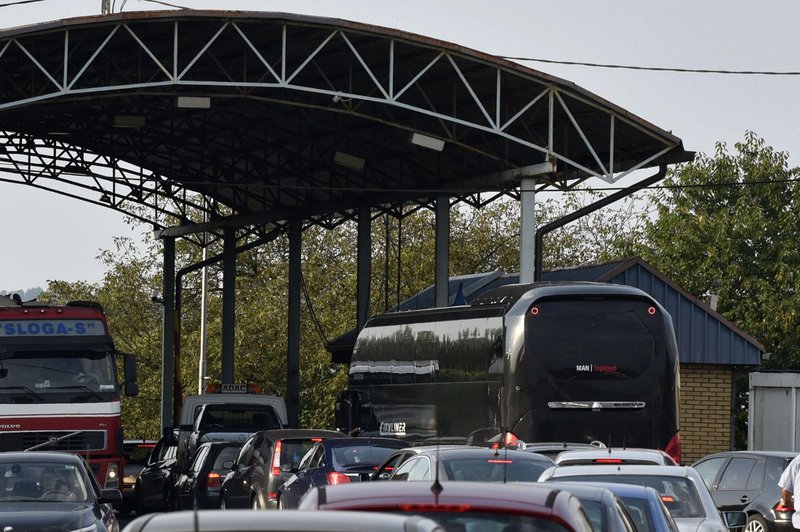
{"points": [[678, 493], [224, 418], [227, 454], [292, 451], [138, 453], [361, 454], [493, 522], [42, 482], [639, 510], [596, 513], [494, 469], [45, 373]]}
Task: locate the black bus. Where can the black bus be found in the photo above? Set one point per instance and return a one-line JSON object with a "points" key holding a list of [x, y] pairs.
{"points": [[572, 362]]}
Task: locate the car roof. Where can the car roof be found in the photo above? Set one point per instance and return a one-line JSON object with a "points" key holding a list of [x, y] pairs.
{"points": [[622, 469], [776, 454], [298, 520], [280, 434], [531, 498], [38, 457], [584, 490], [466, 451], [626, 455]]}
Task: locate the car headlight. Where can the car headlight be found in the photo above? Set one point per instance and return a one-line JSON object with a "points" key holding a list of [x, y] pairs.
{"points": [[112, 476]]}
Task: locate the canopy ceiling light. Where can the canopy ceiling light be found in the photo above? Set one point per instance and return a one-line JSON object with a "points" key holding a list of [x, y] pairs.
{"points": [[194, 102], [349, 161], [129, 121], [427, 142]]}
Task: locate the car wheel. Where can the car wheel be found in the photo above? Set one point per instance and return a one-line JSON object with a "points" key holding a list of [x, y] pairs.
{"points": [[756, 523], [255, 504]]}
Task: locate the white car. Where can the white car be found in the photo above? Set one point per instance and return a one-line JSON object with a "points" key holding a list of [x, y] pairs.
{"points": [[681, 488], [613, 456]]}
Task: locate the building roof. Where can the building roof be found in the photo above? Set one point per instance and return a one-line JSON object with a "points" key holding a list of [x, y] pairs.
{"points": [[704, 336]]}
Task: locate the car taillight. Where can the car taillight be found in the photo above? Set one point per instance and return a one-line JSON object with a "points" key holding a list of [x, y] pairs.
{"points": [[335, 478], [511, 439], [214, 480], [276, 459], [781, 508], [673, 447], [497, 461], [607, 461]]}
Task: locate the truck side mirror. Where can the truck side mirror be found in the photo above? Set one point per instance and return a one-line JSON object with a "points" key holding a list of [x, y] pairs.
{"points": [[130, 378]]}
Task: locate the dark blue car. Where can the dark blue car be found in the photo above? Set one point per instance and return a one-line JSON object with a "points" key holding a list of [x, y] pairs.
{"points": [[335, 461]]}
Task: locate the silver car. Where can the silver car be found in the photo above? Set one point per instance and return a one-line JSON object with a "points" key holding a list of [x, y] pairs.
{"points": [[681, 488]]}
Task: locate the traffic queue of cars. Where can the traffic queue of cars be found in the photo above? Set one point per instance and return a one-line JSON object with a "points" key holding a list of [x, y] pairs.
{"points": [[335, 482]]}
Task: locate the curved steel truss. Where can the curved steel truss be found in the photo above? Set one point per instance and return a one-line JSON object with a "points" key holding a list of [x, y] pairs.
{"points": [[259, 118]]}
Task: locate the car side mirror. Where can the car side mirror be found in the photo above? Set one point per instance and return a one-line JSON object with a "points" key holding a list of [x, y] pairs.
{"points": [[131, 377], [112, 497], [734, 519]]}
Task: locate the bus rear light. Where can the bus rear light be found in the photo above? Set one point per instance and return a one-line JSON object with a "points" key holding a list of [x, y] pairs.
{"points": [[651, 311], [214, 480], [276, 459], [335, 478]]}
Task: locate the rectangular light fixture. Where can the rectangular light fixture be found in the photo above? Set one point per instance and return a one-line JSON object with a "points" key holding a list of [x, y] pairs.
{"points": [[194, 102], [349, 161], [427, 142], [129, 121]]}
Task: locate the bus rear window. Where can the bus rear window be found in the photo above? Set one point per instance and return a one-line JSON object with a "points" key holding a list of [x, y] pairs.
{"points": [[594, 339]]}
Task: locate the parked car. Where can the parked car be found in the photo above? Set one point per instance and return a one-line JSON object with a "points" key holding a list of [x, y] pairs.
{"points": [[336, 461], [267, 460], [296, 521], [604, 509], [460, 506], [53, 491], [681, 488], [155, 482], [748, 481], [472, 464], [614, 456], [387, 467], [199, 485], [136, 453]]}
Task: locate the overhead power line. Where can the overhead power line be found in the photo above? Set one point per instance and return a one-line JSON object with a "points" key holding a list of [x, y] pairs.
{"points": [[659, 69], [18, 2]]}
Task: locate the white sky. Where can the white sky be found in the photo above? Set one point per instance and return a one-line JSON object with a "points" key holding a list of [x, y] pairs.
{"points": [[44, 236]]}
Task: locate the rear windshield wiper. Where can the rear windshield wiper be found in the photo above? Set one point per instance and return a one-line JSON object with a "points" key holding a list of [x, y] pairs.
{"points": [[24, 389]]}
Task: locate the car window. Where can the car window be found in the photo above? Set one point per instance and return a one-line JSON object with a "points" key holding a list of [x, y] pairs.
{"points": [[362, 454], [226, 454], [595, 513], [494, 469], [421, 470], [756, 479], [737, 473], [639, 510], [292, 451], [138, 453], [402, 472], [244, 453], [708, 469], [307, 458], [259, 455], [318, 458], [199, 458]]}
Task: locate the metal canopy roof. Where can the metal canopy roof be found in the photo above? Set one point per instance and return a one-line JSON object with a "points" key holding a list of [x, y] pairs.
{"points": [[251, 119]]}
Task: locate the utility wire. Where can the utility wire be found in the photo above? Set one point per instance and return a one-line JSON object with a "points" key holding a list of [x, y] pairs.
{"points": [[658, 69], [20, 2]]}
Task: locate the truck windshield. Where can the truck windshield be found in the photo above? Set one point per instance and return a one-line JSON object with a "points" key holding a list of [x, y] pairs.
{"points": [[43, 373]]}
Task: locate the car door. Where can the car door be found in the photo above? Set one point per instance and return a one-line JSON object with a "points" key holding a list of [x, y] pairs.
{"points": [[300, 482], [236, 488], [188, 480], [740, 482]]}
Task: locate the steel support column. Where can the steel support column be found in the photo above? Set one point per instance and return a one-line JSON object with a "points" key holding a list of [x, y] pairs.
{"points": [[527, 229], [293, 358], [442, 275], [364, 265], [228, 303], [168, 338]]}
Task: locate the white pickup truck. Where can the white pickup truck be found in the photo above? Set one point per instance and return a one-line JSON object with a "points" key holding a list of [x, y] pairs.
{"points": [[226, 417]]}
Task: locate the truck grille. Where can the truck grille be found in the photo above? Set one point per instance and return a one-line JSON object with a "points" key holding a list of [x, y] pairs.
{"points": [[70, 441]]}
